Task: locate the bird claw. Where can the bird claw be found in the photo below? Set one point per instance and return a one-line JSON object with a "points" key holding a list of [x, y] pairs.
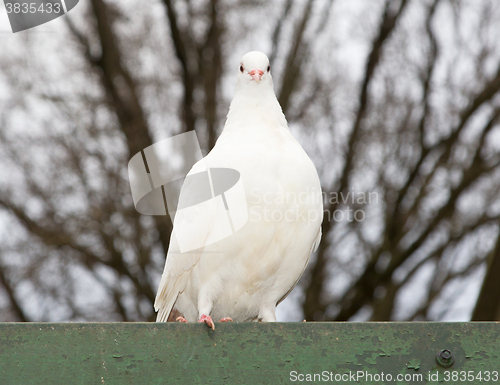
{"points": [[226, 319], [208, 320], [181, 319]]}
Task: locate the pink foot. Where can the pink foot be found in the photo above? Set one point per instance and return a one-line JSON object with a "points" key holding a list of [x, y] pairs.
{"points": [[181, 319], [226, 319], [208, 320]]}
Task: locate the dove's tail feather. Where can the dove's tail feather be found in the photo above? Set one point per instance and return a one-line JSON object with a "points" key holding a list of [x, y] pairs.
{"points": [[164, 312], [167, 296]]}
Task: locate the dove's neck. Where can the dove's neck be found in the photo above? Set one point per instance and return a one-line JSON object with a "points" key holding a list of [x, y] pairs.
{"points": [[255, 106]]}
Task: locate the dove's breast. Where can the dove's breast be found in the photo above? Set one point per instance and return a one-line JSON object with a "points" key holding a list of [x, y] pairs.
{"points": [[261, 261]]}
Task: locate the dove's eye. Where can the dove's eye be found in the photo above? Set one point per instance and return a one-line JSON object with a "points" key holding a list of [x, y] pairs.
{"points": [[241, 68], [268, 68]]}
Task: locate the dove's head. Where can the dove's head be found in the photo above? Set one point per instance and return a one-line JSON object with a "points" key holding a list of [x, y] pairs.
{"points": [[254, 101], [255, 69]]}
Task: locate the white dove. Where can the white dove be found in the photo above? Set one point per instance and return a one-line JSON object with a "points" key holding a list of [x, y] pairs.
{"points": [[244, 276]]}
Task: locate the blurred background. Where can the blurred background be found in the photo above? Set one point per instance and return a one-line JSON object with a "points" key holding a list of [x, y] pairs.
{"points": [[396, 101]]}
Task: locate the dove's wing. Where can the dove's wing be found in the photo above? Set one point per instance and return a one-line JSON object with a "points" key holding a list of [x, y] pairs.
{"points": [[314, 247], [190, 235]]}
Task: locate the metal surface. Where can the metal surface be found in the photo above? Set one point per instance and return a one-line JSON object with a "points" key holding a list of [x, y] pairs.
{"points": [[250, 353]]}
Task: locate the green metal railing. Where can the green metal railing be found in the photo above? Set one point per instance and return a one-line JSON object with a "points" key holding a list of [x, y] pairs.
{"points": [[250, 353]]}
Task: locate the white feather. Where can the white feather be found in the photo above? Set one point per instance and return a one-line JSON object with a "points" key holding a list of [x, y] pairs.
{"points": [[245, 275]]}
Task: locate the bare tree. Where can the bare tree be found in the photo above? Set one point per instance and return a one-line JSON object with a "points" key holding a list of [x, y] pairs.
{"points": [[397, 101]]}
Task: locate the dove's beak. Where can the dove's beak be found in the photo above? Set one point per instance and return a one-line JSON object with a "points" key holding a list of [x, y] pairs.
{"points": [[256, 74]]}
